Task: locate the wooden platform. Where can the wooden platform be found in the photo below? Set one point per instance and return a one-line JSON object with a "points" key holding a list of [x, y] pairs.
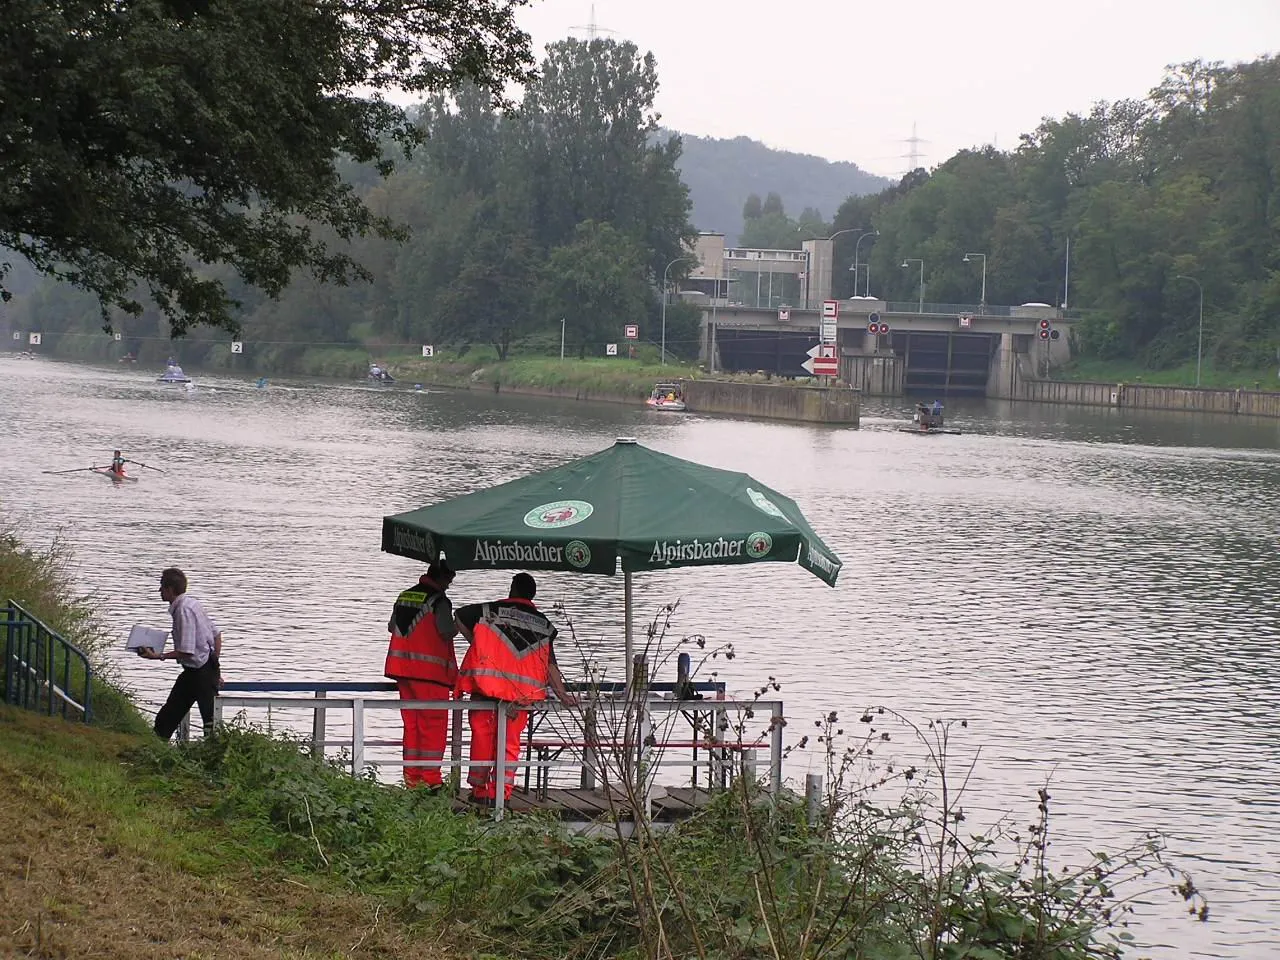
{"points": [[670, 804]]}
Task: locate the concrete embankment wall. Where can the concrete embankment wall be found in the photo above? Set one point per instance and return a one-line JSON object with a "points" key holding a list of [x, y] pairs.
{"points": [[774, 401], [1143, 396]]}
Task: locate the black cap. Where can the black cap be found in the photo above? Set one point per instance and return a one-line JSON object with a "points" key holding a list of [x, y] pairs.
{"points": [[440, 571]]}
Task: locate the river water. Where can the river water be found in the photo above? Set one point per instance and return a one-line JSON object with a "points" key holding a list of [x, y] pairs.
{"points": [[1094, 591]]}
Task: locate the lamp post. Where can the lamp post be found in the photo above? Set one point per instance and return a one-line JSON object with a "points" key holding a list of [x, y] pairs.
{"points": [[905, 263], [858, 243], [983, 302], [562, 338], [1200, 335], [664, 306]]}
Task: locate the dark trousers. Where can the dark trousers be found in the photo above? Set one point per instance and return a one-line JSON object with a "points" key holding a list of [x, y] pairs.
{"points": [[192, 686]]}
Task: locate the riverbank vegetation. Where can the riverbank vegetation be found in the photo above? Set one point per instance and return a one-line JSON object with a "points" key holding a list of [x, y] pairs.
{"points": [[277, 854], [40, 580], [567, 215]]}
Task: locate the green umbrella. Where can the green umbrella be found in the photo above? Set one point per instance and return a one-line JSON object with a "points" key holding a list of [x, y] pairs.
{"points": [[626, 506]]}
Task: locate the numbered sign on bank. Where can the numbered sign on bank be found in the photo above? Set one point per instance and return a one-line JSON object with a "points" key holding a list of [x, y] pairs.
{"points": [[33, 339], [17, 334], [428, 350], [610, 349], [237, 346], [118, 337]]}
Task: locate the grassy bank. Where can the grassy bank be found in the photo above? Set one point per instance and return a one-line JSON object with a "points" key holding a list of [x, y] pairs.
{"points": [[39, 579], [1120, 371], [603, 377]]}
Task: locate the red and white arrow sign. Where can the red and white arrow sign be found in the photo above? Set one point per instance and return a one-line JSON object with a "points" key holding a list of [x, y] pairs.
{"points": [[822, 366]]}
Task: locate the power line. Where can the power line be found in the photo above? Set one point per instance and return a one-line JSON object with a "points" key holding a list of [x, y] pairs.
{"points": [[913, 157], [592, 28]]}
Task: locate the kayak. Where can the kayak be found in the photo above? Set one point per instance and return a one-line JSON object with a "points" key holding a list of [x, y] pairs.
{"points": [[111, 475]]}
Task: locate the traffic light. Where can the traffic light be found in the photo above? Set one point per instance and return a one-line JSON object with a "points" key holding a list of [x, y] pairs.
{"points": [[873, 327], [1044, 329], [884, 328]]}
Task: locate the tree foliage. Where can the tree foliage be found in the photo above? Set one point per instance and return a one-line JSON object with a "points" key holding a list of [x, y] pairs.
{"points": [[1185, 183], [145, 138], [515, 215]]}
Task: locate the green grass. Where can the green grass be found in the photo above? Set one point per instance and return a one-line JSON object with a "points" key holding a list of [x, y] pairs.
{"points": [[1124, 371]]}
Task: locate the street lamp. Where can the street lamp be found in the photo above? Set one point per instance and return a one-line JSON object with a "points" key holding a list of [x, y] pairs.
{"points": [[983, 301], [910, 260], [858, 243], [664, 304], [1200, 336]]}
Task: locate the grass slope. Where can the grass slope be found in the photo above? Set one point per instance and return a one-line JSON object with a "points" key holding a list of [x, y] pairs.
{"points": [[100, 860]]}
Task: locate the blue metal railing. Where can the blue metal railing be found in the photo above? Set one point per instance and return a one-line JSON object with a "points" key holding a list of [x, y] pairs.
{"points": [[41, 668]]}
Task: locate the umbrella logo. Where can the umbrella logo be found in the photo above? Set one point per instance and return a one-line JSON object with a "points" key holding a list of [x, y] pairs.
{"points": [[562, 513], [578, 554], [759, 545], [764, 504]]}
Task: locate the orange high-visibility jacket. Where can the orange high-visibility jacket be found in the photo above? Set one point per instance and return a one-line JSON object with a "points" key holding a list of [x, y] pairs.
{"points": [[510, 653], [420, 652]]}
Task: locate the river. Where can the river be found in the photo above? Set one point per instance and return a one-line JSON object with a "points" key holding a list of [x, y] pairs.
{"points": [[1095, 591]]}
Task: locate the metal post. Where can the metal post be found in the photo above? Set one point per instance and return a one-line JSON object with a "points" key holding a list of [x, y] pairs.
{"points": [[775, 749], [318, 726], [357, 737], [813, 796], [644, 760], [217, 712], [628, 635], [1200, 335], [500, 763], [562, 338], [749, 765], [856, 245], [455, 750], [921, 307]]}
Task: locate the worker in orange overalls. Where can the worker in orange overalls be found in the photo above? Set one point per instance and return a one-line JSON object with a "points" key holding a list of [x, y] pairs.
{"points": [[511, 662], [421, 660]]}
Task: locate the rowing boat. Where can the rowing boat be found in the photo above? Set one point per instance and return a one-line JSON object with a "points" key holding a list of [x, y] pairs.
{"points": [[112, 475]]}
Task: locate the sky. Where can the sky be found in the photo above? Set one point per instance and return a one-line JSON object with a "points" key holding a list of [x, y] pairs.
{"points": [[847, 79]]}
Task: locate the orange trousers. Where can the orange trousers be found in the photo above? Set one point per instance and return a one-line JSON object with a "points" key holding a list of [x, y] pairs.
{"points": [[425, 732], [484, 749]]}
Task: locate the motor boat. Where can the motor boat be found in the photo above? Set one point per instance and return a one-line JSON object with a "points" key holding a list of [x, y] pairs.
{"points": [[173, 374], [666, 396]]}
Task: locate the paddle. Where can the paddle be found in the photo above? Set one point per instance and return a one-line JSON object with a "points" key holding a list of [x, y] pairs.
{"points": [[76, 470], [145, 466]]}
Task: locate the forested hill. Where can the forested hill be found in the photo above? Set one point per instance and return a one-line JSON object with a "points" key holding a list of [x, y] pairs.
{"points": [[721, 174]]}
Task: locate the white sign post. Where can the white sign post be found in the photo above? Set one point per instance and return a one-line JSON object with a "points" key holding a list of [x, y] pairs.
{"points": [[610, 349], [237, 346], [428, 350], [830, 319]]}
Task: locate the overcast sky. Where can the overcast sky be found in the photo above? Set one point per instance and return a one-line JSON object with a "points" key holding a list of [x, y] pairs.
{"points": [[845, 79]]}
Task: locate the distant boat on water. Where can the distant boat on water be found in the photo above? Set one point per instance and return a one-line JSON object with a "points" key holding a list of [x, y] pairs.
{"points": [[173, 374]]}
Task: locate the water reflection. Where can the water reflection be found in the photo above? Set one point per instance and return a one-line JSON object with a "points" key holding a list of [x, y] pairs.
{"points": [[1093, 589]]}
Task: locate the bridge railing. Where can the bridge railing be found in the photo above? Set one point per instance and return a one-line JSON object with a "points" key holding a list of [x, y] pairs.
{"points": [[948, 309], [42, 671]]}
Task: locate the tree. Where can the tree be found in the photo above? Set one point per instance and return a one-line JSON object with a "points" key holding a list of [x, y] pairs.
{"points": [[751, 209], [597, 283], [141, 139]]}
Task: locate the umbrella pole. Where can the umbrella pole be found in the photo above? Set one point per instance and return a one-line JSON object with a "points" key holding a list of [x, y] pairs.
{"points": [[628, 637]]}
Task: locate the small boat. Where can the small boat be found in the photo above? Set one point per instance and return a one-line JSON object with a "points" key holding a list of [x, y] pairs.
{"points": [[112, 475], [380, 374], [666, 396], [173, 374], [928, 419]]}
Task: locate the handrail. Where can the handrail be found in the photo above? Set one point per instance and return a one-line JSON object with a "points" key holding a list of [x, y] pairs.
{"points": [[34, 655], [638, 722]]}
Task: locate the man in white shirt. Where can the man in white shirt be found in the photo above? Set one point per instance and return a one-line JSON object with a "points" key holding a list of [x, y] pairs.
{"points": [[197, 644]]}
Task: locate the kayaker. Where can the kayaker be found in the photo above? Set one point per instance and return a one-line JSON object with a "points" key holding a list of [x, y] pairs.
{"points": [[117, 464], [420, 659]]}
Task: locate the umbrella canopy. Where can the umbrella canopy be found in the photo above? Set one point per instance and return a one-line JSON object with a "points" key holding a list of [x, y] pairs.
{"points": [[628, 506]]}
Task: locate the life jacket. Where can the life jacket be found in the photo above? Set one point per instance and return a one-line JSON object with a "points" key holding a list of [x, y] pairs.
{"points": [[417, 650], [510, 653]]}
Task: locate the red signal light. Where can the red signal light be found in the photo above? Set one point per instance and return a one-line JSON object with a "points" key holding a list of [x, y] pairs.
{"points": [[1044, 333], [1044, 324], [884, 328], [872, 328]]}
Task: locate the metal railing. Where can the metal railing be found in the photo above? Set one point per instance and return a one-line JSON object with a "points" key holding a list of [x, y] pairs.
{"points": [[42, 671], [617, 734]]}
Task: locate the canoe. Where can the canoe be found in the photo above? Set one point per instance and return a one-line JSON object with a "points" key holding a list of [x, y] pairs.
{"points": [[107, 472]]}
